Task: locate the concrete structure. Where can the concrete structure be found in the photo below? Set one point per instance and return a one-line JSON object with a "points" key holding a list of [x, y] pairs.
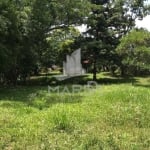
{"points": [[73, 66]]}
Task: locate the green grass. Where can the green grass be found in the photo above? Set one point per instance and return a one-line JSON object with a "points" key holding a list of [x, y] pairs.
{"points": [[115, 116]]}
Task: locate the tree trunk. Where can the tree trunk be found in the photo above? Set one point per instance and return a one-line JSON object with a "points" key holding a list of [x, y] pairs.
{"points": [[123, 72], [94, 69]]}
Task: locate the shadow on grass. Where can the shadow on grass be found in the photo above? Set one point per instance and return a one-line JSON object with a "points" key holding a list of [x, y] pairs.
{"points": [[35, 95], [48, 74], [142, 85], [32, 96], [19, 93], [82, 80], [116, 80], [39, 81], [107, 80]]}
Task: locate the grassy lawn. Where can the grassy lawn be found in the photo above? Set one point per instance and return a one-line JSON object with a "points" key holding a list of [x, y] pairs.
{"points": [[114, 116]]}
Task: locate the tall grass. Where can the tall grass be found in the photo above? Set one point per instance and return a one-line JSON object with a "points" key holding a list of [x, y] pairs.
{"points": [[111, 117]]}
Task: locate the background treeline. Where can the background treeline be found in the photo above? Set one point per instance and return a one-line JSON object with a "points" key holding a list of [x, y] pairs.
{"points": [[37, 34]]}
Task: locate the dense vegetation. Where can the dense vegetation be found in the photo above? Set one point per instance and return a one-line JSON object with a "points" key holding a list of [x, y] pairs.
{"points": [[134, 51], [37, 34]]}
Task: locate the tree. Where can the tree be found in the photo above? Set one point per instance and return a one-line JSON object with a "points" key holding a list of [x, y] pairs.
{"points": [[24, 28], [62, 41], [107, 23], [10, 40], [15, 60], [134, 49], [48, 17]]}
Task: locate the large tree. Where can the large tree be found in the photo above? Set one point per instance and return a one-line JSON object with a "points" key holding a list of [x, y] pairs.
{"points": [[48, 17], [108, 21], [134, 49], [24, 28], [12, 33]]}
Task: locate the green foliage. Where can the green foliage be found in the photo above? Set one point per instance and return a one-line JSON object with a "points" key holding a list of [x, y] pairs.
{"points": [[93, 142], [107, 22], [24, 28], [62, 121], [135, 52], [114, 116], [39, 33], [50, 23], [61, 42], [17, 58]]}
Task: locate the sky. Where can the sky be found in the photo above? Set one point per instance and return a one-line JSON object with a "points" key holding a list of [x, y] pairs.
{"points": [[145, 23]]}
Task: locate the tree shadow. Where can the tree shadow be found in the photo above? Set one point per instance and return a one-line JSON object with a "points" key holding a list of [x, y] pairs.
{"points": [[142, 85], [82, 80], [19, 93], [37, 97], [49, 74], [116, 80], [145, 82], [38, 81], [52, 80]]}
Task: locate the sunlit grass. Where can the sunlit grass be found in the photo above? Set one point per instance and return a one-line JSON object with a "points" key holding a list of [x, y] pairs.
{"points": [[112, 116]]}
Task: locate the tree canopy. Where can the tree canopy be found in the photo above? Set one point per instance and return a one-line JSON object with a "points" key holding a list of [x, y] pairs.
{"points": [[24, 28], [108, 21], [134, 49], [39, 33]]}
